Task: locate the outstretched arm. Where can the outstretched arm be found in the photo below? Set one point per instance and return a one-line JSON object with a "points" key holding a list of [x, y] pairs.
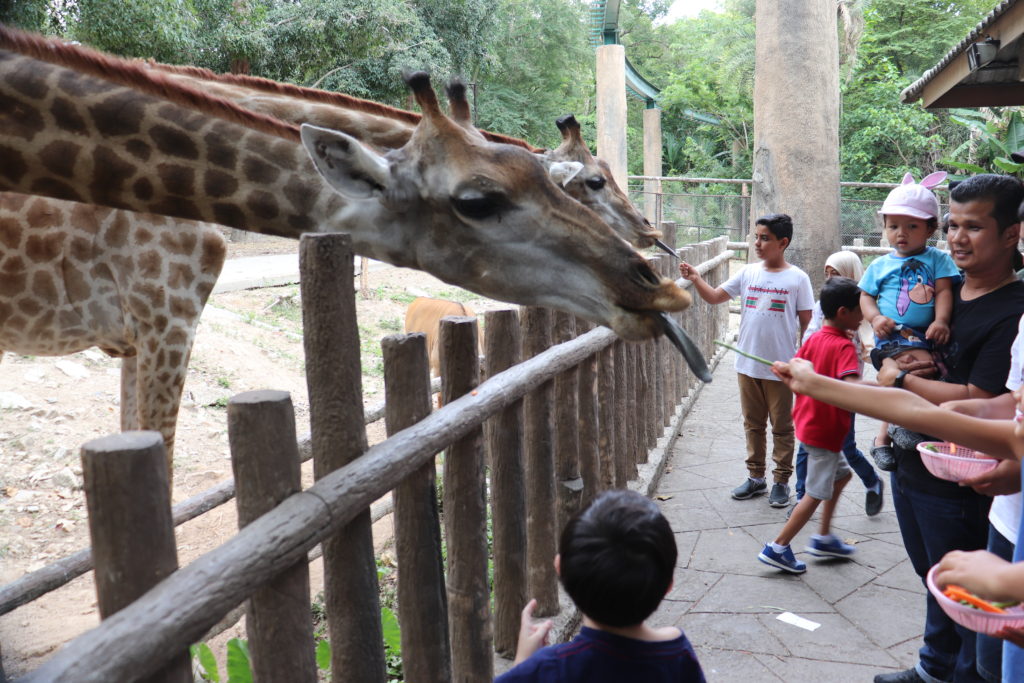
{"points": [[713, 295], [994, 437]]}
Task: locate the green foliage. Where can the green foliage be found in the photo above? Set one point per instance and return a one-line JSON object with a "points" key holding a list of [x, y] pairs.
{"points": [[323, 655], [207, 662], [993, 139], [165, 30], [706, 64], [239, 666]]}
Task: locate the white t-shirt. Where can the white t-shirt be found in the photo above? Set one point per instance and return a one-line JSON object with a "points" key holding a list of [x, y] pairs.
{"points": [[769, 325], [1005, 512]]}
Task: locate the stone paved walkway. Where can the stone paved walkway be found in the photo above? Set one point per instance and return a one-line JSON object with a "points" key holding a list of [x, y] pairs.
{"points": [[871, 609]]}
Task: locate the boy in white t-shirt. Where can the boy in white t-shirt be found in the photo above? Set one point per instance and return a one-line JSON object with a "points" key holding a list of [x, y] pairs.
{"points": [[776, 302]]}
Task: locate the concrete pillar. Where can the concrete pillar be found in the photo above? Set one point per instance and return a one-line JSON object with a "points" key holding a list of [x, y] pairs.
{"points": [[796, 125], [611, 109], [652, 163]]}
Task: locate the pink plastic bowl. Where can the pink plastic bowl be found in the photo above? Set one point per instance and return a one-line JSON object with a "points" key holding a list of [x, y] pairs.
{"points": [[988, 623], [962, 463]]}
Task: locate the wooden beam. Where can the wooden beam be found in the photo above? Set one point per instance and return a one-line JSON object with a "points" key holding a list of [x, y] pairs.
{"points": [[989, 95], [1006, 29]]}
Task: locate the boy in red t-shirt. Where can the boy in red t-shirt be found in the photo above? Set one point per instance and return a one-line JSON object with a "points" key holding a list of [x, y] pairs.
{"points": [[821, 428]]}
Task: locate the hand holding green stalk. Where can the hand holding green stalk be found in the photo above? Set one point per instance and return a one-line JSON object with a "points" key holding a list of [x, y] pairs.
{"points": [[743, 353]]}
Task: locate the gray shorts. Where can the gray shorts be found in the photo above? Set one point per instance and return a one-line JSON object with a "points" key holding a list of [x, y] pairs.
{"points": [[824, 469]]}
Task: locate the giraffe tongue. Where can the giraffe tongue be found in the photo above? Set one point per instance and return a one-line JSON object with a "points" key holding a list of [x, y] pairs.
{"points": [[690, 352], [667, 249]]}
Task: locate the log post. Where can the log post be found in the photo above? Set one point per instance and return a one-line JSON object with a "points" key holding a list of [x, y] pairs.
{"points": [[334, 378], [465, 513], [129, 504], [422, 602], [665, 372], [668, 231], [541, 505], [589, 427], [683, 374], [567, 437], [607, 435], [265, 463], [504, 437], [622, 448]]}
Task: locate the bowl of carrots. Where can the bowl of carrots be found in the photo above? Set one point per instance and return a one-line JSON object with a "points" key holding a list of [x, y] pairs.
{"points": [[954, 463], [973, 612]]}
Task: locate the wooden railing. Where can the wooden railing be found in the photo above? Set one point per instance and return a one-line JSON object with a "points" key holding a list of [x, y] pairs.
{"points": [[576, 415]]}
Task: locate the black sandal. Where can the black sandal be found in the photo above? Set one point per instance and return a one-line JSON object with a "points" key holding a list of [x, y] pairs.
{"points": [[884, 457]]}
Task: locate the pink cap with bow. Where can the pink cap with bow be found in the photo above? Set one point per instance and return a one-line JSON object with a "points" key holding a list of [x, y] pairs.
{"points": [[914, 199]]}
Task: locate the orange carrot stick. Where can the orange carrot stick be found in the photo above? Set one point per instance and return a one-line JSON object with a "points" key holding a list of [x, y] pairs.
{"points": [[954, 592]]}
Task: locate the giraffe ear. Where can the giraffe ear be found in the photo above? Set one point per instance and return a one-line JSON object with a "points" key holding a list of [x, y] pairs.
{"points": [[564, 171], [351, 169]]}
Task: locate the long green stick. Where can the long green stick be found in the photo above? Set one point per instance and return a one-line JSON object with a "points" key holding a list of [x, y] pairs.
{"points": [[743, 353]]}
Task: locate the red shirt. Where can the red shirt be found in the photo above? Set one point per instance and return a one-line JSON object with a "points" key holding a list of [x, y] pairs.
{"points": [[821, 424]]}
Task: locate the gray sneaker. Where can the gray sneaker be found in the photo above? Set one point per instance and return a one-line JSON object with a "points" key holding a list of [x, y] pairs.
{"points": [[749, 489], [779, 497]]}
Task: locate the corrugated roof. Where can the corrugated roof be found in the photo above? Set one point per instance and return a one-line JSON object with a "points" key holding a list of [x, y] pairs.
{"points": [[913, 91]]}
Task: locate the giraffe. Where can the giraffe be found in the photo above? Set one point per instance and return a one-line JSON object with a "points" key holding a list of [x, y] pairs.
{"points": [[80, 125], [595, 187], [74, 276], [591, 183]]}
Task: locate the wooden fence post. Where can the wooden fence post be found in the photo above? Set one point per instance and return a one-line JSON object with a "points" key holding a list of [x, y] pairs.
{"points": [[622, 435], [504, 436], [589, 426], [683, 373], [634, 424], [265, 462], [668, 231], [422, 602], [607, 434], [128, 498], [334, 378], [541, 504], [567, 437], [666, 373], [465, 513]]}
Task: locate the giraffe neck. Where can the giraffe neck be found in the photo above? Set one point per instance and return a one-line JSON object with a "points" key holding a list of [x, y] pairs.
{"points": [[371, 122], [72, 136]]}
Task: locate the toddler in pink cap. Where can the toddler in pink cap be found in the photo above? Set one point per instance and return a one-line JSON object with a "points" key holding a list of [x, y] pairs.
{"points": [[907, 295]]}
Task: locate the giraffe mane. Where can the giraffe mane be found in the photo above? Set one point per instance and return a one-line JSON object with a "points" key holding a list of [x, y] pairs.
{"points": [[316, 95], [134, 74]]}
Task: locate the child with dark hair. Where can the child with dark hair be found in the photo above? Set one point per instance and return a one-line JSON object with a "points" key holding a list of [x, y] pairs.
{"points": [[616, 561], [822, 428], [776, 300]]}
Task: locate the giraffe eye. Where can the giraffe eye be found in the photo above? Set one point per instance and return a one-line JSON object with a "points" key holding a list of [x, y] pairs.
{"points": [[478, 205], [596, 182]]}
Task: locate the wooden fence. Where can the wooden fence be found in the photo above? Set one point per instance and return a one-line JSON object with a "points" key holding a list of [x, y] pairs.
{"points": [[565, 412]]}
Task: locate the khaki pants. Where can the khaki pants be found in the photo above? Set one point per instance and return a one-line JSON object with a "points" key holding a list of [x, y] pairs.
{"points": [[761, 399]]}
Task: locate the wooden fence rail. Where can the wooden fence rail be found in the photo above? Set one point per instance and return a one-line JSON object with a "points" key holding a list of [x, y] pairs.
{"points": [[612, 384]]}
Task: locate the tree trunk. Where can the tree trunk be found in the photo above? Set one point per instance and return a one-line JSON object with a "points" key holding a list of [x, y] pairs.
{"points": [[796, 125]]}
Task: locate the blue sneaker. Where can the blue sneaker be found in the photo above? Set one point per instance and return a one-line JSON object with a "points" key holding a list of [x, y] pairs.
{"points": [[785, 560], [829, 547]]}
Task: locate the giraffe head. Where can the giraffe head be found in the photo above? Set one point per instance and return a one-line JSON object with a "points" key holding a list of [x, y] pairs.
{"points": [[489, 213], [595, 187]]}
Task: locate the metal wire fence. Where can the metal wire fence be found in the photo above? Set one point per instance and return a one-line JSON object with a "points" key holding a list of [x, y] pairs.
{"points": [[704, 208]]}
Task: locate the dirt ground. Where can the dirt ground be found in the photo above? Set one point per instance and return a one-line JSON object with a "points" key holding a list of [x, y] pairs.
{"points": [[49, 407]]}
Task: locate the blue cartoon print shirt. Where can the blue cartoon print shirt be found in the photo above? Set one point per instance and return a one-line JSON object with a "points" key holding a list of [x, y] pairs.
{"points": [[904, 287]]}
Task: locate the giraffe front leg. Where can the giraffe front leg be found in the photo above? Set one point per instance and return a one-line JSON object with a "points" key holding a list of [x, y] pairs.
{"points": [[159, 383], [129, 394]]}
